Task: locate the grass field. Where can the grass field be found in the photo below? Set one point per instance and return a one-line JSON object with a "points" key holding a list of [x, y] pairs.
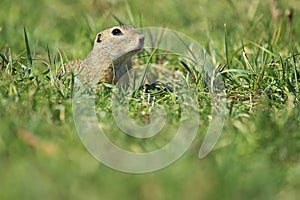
{"points": [[258, 153]]}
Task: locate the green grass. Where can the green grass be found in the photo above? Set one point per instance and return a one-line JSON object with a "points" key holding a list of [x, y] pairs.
{"points": [[257, 155]]}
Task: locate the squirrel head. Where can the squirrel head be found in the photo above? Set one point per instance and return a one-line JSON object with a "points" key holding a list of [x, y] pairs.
{"points": [[119, 42]]}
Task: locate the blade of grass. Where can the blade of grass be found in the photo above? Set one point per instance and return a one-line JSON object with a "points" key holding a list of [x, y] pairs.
{"points": [[3, 62], [295, 73], [49, 56], [226, 44], [29, 58], [189, 70], [265, 50], [246, 60], [129, 11], [117, 19], [143, 79], [10, 62], [187, 47]]}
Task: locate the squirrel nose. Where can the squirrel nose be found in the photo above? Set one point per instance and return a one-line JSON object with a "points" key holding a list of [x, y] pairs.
{"points": [[141, 40]]}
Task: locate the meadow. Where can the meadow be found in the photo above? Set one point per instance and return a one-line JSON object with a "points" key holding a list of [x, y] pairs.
{"points": [[253, 45]]}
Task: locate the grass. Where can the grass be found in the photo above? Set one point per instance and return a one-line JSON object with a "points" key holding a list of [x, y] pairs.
{"points": [[257, 54]]}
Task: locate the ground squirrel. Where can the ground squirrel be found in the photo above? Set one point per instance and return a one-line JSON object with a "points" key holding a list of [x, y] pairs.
{"points": [[110, 56]]}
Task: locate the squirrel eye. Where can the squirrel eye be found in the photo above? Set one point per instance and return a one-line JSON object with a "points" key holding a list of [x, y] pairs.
{"points": [[99, 38], [116, 31]]}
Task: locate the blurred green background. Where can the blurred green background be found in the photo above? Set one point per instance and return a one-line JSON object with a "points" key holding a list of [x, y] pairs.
{"points": [[257, 156]]}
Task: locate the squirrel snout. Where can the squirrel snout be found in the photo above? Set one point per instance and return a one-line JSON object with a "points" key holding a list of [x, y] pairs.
{"points": [[141, 41]]}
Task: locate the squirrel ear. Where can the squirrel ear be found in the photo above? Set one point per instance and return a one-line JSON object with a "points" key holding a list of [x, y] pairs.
{"points": [[98, 38]]}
